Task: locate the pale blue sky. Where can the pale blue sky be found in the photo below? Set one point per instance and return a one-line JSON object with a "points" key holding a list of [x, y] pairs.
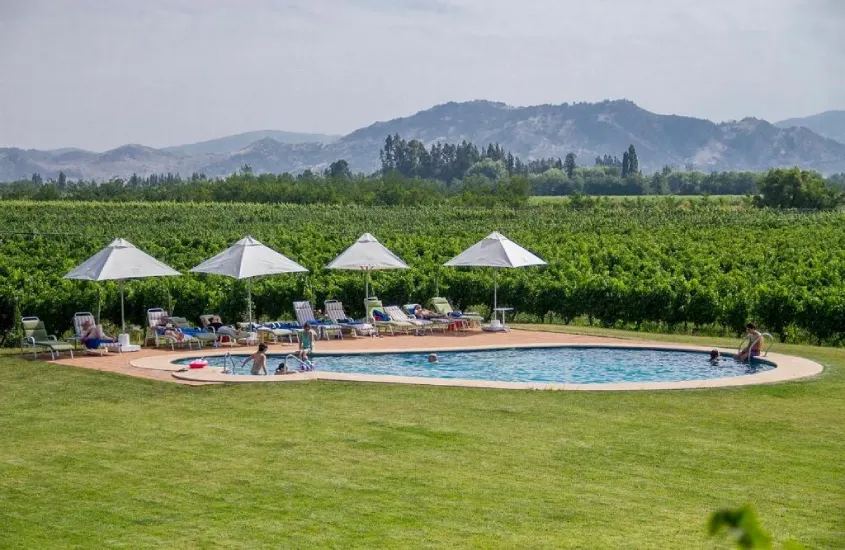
{"points": [[101, 73]]}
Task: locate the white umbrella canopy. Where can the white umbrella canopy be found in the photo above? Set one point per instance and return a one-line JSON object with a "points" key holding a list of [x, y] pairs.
{"points": [[248, 258], [120, 260], [367, 254], [496, 251]]}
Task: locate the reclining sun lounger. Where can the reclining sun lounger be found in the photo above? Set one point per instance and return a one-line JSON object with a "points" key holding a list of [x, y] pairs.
{"points": [[443, 307], [397, 314], [79, 320], [334, 311], [35, 337], [443, 322], [382, 321], [161, 336], [305, 314], [276, 330], [226, 333]]}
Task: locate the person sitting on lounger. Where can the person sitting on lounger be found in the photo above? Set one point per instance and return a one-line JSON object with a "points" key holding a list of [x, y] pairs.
{"points": [[215, 322], [93, 335], [166, 328]]}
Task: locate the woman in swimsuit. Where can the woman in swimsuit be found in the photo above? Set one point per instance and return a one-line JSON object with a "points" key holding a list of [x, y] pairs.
{"points": [[259, 360], [93, 336], [755, 344]]}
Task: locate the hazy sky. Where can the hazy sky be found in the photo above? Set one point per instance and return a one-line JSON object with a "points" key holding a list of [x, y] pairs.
{"points": [[101, 73]]}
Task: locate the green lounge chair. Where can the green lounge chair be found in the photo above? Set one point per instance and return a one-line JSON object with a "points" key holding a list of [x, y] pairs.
{"points": [[443, 307], [372, 304], [420, 325], [35, 337]]}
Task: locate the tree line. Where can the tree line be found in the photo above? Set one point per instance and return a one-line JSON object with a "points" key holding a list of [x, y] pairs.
{"points": [[412, 174]]}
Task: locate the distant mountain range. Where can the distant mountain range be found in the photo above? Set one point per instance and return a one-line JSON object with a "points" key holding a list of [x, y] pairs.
{"points": [[239, 141], [586, 129], [830, 124]]}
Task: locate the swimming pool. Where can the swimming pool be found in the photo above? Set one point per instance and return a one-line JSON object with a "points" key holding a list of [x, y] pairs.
{"points": [[568, 365]]}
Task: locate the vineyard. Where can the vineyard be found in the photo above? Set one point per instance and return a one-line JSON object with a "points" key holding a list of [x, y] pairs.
{"points": [[656, 263]]}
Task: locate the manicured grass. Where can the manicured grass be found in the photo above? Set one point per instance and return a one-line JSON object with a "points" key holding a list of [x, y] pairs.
{"points": [[97, 459]]}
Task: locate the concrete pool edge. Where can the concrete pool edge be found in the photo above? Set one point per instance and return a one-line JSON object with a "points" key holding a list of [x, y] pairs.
{"points": [[787, 367]]}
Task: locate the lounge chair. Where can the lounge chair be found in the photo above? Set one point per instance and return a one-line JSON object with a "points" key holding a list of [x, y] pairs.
{"points": [[201, 335], [440, 321], [443, 307], [421, 325], [382, 321], [276, 330], [305, 314], [79, 320], [226, 333], [35, 337], [334, 311], [156, 334]]}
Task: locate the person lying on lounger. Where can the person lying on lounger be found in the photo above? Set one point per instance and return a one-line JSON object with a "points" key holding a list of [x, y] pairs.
{"points": [[422, 313], [93, 336], [166, 328]]}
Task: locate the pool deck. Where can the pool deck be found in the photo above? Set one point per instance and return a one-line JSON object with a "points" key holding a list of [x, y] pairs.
{"points": [[157, 364]]}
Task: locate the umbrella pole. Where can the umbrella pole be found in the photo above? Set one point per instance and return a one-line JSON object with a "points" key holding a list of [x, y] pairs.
{"points": [[249, 300], [366, 284], [495, 290], [122, 312]]}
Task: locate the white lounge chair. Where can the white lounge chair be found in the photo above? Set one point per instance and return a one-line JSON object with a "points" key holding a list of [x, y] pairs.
{"points": [[79, 320], [373, 304], [305, 314], [334, 311], [154, 316], [226, 333], [421, 325]]}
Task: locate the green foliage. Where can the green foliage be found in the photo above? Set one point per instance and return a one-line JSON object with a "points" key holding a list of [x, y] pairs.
{"points": [[796, 188], [336, 186], [629, 262], [491, 169], [742, 525]]}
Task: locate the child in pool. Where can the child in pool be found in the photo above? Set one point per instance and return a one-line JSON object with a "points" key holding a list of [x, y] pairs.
{"points": [[432, 358], [715, 357], [259, 360], [306, 345]]}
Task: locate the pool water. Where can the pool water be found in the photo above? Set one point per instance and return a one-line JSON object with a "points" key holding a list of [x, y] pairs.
{"points": [[561, 365]]}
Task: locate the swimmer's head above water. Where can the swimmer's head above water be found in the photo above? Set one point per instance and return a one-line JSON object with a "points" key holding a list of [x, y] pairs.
{"points": [[432, 358]]}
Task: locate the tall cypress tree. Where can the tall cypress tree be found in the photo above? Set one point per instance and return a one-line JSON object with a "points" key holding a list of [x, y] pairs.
{"points": [[569, 165], [633, 161], [626, 164]]}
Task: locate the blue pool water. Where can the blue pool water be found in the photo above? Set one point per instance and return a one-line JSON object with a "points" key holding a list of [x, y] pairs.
{"points": [[563, 365]]}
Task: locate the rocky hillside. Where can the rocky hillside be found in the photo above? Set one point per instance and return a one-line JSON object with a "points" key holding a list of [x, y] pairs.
{"points": [[587, 129], [829, 124]]}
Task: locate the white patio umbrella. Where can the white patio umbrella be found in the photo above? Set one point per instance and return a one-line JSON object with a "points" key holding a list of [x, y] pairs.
{"points": [[246, 259], [120, 260], [367, 254], [496, 251]]}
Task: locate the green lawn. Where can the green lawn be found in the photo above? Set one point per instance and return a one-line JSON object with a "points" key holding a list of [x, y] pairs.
{"points": [[96, 459]]}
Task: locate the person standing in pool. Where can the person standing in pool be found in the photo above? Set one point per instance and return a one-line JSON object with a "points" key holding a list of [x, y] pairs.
{"points": [[259, 360], [306, 343], [755, 344]]}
